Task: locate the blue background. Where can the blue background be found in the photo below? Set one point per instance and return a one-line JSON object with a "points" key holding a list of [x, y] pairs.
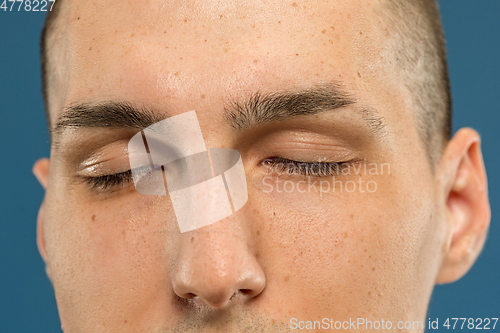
{"points": [[27, 302]]}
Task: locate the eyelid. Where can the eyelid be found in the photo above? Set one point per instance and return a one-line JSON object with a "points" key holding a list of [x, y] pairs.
{"points": [[314, 153], [95, 167], [99, 170], [114, 150], [106, 181], [316, 169]]}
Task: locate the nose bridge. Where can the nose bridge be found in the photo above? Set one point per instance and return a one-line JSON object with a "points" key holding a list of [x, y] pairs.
{"points": [[215, 264], [204, 185], [212, 187]]}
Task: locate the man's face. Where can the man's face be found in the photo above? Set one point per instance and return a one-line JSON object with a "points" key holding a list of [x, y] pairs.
{"points": [[362, 245]]}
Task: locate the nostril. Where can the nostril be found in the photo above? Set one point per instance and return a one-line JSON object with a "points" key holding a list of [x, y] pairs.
{"points": [[242, 292], [189, 296], [246, 291]]}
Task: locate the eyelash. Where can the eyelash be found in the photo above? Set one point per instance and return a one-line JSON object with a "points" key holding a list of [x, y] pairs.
{"points": [[105, 182], [279, 164], [306, 169]]}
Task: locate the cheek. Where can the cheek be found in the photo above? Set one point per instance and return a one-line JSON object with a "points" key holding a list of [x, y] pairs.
{"points": [[356, 247], [110, 252]]}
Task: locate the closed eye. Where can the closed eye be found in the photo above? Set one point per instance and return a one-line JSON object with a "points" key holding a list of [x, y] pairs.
{"points": [[316, 169], [122, 179], [105, 182]]}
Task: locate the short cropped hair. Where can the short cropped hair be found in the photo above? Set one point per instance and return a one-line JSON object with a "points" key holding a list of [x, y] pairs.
{"points": [[418, 50], [47, 41], [416, 46]]}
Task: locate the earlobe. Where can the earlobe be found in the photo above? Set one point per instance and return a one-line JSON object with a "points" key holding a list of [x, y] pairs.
{"points": [[467, 205]]}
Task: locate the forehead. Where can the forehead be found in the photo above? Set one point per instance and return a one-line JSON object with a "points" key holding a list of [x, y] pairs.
{"points": [[167, 50]]}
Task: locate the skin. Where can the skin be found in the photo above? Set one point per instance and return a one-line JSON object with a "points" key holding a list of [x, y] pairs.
{"points": [[116, 258]]}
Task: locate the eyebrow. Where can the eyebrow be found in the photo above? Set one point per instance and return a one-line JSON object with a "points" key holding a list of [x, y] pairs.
{"points": [[107, 114], [259, 108]]}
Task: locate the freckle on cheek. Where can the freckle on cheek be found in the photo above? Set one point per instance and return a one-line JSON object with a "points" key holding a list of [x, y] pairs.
{"points": [[93, 217]]}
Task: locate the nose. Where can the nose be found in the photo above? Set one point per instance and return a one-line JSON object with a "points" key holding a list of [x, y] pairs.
{"points": [[216, 267]]}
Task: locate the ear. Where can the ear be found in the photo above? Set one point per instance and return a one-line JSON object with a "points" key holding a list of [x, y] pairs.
{"points": [[462, 177], [41, 172]]}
